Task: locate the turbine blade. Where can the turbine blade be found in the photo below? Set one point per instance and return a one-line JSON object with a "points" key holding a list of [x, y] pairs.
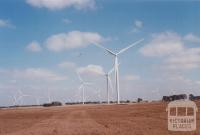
{"points": [[112, 69], [111, 85], [123, 50], [88, 83], [20, 92], [25, 95], [79, 77], [20, 97], [80, 87], [109, 51]]}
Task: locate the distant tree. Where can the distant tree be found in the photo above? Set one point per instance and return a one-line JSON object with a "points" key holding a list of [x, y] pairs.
{"points": [[127, 101], [139, 100]]}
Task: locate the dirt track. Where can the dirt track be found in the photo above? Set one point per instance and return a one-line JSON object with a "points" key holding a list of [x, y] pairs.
{"points": [[135, 119]]}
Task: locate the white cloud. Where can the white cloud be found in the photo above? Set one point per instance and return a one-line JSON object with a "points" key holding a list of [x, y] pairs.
{"points": [[67, 64], [163, 44], [33, 74], [61, 4], [188, 59], [5, 23], [179, 78], [91, 70], [198, 82], [138, 24], [171, 45], [67, 21], [34, 47], [132, 77], [71, 40], [192, 38]]}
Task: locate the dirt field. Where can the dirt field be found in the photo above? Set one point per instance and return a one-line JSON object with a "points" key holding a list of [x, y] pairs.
{"points": [[134, 119]]}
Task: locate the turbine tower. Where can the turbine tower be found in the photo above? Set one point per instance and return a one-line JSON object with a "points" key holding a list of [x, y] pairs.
{"points": [[116, 64], [49, 96], [82, 87]]}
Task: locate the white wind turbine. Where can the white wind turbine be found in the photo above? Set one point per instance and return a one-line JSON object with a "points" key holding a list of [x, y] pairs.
{"points": [[37, 99], [98, 93], [21, 97], [173, 92], [49, 96], [15, 100], [82, 87], [156, 92], [78, 96], [188, 95], [109, 83], [116, 64]]}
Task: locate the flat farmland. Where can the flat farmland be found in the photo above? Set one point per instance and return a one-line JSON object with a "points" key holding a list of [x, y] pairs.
{"points": [[125, 119]]}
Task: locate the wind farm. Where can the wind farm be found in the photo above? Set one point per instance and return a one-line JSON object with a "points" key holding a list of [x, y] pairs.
{"points": [[83, 84], [101, 113], [18, 99], [89, 67]]}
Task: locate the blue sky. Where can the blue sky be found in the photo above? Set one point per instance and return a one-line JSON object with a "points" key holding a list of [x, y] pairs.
{"points": [[43, 44]]}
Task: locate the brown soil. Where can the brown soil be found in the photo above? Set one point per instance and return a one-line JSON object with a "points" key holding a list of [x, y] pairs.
{"points": [[132, 119]]}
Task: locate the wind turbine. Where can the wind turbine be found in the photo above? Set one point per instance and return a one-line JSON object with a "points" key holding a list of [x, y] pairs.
{"points": [[21, 96], [109, 82], [82, 87], [173, 92], [116, 63], [156, 92], [49, 96], [98, 93], [78, 96], [37, 99], [15, 100], [187, 95]]}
